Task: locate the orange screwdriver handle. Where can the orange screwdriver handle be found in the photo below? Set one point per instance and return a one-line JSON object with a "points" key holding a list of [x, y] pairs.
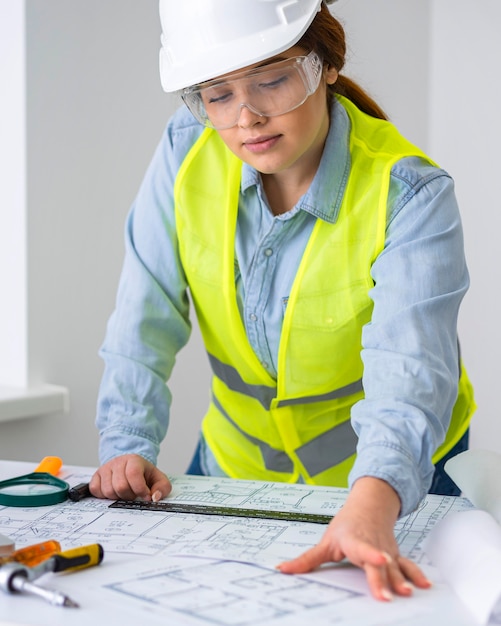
{"points": [[34, 554]]}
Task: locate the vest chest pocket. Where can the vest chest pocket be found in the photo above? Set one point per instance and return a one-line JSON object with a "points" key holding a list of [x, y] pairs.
{"points": [[327, 311], [202, 262], [324, 344]]}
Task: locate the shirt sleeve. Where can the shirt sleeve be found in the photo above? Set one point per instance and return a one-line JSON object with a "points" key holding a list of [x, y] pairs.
{"points": [[410, 347], [150, 322]]}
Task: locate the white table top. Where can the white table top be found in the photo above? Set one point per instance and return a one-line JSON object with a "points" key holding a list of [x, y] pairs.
{"points": [[201, 570]]}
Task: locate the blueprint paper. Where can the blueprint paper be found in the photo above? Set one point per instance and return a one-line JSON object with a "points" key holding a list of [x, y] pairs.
{"points": [[466, 547], [201, 570], [151, 533], [203, 592]]}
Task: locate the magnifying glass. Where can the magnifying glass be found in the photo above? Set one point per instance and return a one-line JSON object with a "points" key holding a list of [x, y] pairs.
{"points": [[40, 488]]}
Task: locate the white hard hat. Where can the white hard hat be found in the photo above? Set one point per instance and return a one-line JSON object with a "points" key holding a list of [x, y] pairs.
{"points": [[203, 39]]}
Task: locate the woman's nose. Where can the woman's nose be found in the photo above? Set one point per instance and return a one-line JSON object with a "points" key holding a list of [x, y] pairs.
{"points": [[248, 116]]}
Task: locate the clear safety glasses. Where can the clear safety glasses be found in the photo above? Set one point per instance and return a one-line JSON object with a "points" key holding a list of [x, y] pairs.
{"points": [[268, 91]]}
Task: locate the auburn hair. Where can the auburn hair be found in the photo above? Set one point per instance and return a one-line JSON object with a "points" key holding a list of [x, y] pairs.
{"points": [[326, 36]]}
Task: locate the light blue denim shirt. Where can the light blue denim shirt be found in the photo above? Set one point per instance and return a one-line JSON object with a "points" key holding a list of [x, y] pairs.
{"points": [[409, 352]]}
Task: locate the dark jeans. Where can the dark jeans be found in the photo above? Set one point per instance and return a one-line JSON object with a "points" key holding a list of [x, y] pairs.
{"points": [[441, 484], [195, 468]]}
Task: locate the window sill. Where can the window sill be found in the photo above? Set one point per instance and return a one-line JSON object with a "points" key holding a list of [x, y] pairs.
{"points": [[21, 402]]}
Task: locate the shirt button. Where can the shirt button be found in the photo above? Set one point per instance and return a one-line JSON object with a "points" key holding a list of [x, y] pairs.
{"points": [[253, 317], [268, 252]]}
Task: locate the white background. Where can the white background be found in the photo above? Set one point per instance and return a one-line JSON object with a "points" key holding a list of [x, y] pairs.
{"points": [[94, 114]]}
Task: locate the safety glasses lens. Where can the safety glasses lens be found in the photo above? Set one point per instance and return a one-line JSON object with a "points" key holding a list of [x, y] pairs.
{"points": [[275, 90]]}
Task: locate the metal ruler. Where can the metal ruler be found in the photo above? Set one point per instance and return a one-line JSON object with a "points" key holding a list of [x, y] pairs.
{"points": [[210, 509]]}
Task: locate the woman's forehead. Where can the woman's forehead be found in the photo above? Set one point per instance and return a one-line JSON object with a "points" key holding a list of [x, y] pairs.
{"points": [[287, 54]]}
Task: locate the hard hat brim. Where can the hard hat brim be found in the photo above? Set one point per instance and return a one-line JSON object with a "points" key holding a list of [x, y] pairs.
{"points": [[203, 58]]}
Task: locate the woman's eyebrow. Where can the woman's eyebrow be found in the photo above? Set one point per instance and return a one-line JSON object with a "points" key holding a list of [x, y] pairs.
{"points": [[272, 60], [223, 80]]}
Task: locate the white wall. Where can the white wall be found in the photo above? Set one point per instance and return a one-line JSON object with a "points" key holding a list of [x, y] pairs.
{"points": [[13, 363], [388, 54], [95, 112], [465, 131]]}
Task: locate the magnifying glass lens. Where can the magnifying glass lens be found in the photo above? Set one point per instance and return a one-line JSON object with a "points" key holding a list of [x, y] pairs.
{"points": [[35, 489], [29, 490]]}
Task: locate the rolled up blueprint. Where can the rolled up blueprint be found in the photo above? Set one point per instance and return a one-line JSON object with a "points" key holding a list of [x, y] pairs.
{"points": [[466, 549], [466, 546]]}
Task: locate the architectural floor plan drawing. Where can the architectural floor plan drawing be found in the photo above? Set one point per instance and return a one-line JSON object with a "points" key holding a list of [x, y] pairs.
{"points": [[258, 495], [203, 570], [200, 592], [261, 541], [244, 595]]}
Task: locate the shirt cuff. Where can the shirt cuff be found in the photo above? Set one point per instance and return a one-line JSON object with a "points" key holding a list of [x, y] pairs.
{"points": [[119, 441], [390, 463]]}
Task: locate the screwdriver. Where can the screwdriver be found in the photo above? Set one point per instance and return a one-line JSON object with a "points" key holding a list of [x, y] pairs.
{"points": [[34, 554], [17, 577], [19, 582]]}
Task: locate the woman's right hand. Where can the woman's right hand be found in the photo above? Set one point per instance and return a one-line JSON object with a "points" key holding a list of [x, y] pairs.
{"points": [[130, 477], [363, 533]]}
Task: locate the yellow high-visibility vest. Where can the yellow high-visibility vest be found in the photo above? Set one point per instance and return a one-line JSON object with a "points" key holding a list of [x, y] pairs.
{"points": [[296, 427]]}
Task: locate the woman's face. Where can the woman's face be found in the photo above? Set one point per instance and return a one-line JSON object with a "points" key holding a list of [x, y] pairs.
{"points": [[291, 141]]}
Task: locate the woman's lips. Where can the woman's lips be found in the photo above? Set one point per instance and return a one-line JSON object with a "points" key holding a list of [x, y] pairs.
{"points": [[257, 145]]}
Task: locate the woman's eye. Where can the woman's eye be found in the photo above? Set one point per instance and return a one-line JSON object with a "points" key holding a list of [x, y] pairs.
{"points": [[273, 84], [219, 98]]}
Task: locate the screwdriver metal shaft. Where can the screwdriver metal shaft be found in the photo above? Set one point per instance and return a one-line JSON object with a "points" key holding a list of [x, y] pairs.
{"points": [[21, 584], [18, 577]]}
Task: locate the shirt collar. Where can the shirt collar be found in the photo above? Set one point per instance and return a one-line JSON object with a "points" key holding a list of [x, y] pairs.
{"points": [[324, 196]]}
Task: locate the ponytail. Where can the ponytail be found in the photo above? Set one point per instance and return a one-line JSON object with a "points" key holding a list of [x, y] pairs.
{"points": [[326, 36], [347, 87]]}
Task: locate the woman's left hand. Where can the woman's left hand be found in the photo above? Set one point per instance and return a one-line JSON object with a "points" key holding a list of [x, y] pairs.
{"points": [[363, 533]]}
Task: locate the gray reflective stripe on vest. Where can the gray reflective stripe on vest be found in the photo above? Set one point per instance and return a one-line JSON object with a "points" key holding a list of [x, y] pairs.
{"points": [[232, 379], [347, 390], [274, 460], [264, 395], [328, 449], [319, 454]]}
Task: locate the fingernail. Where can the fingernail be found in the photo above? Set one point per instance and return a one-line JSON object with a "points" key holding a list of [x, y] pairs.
{"points": [[156, 496], [387, 557], [408, 587], [386, 595]]}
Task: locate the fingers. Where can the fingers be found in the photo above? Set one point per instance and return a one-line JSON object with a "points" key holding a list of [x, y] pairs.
{"points": [[386, 580], [129, 477], [159, 484], [363, 554], [400, 577], [96, 485], [413, 573], [306, 562], [377, 579], [112, 482], [385, 575]]}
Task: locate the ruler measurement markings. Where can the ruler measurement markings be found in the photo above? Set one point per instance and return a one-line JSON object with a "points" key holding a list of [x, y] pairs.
{"points": [[206, 509]]}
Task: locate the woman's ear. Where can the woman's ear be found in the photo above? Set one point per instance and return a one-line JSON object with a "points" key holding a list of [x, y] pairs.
{"points": [[331, 75]]}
